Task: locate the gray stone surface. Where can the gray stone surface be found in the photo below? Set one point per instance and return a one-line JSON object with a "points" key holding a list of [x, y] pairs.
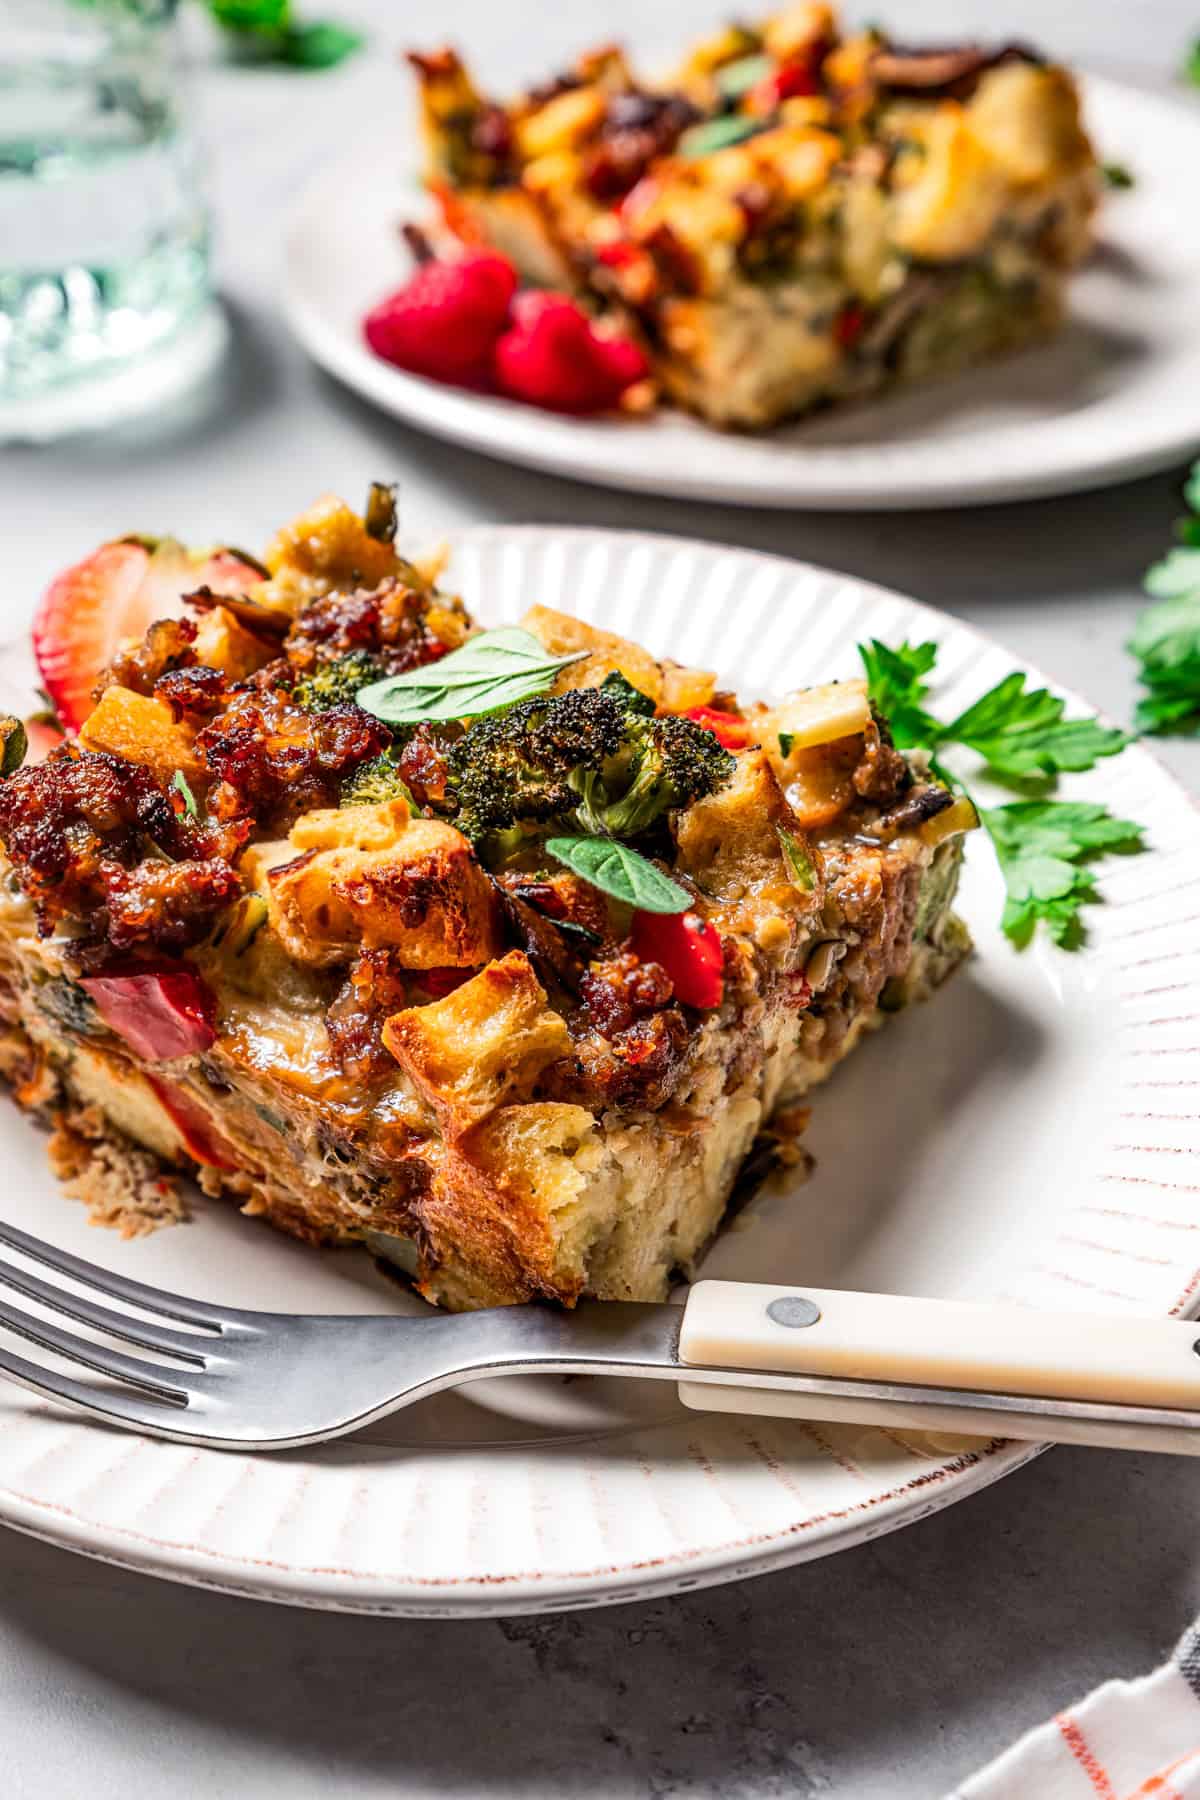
{"points": [[882, 1674]]}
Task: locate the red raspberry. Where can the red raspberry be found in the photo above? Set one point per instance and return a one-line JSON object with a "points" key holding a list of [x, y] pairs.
{"points": [[444, 321], [550, 356]]}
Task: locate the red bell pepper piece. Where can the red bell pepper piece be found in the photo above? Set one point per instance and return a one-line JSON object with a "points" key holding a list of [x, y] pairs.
{"points": [[728, 728], [688, 948], [202, 1143], [849, 325], [796, 80], [161, 1012], [440, 982]]}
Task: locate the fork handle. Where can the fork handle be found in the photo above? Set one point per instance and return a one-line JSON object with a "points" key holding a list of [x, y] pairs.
{"points": [[955, 1344]]}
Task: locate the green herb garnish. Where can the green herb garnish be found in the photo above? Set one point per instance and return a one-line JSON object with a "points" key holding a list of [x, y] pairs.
{"points": [[268, 30], [380, 515], [1022, 735], [1043, 845], [718, 134], [617, 870], [1116, 175], [179, 782], [1166, 637], [733, 79], [897, 685], [786, 740], [799, 864], [494, 669]]}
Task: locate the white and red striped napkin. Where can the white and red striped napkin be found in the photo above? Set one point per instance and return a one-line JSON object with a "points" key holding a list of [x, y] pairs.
{"points": [[1130, 1740]]}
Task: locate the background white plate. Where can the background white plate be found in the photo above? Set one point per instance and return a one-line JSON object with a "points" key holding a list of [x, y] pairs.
{"points": [[1115, 395], [1030, 1135]]}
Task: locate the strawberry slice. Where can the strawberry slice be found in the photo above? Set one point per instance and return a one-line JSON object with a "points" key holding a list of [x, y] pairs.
{"points": [[116, 593]]}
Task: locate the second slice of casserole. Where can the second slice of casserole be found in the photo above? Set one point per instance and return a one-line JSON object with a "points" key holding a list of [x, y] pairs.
{"points": [[797, 217]]}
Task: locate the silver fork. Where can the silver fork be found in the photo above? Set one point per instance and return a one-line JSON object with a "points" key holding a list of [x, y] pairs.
{"points": [[220, 1376]]}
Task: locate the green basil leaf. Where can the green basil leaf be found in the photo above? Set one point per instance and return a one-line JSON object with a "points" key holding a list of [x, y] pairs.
{"points": [[800, 870], [718, 134], [489, 671], [786, 740], [733, 79], [617, 870]]}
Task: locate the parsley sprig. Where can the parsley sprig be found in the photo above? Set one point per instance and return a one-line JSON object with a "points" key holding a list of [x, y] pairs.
{"points": [[1166, 637], [268, 30], [1044, 846]]}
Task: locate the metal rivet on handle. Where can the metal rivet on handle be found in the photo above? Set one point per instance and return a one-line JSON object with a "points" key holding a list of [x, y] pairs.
{"points": [[793, 1309]]}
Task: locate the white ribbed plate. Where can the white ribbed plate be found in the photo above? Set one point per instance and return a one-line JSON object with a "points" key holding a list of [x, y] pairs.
{"points": [[1030, 1135], [1110, 398]]}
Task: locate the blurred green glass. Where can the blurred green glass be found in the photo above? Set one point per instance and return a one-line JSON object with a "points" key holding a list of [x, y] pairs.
{"points": [[103, 226]]}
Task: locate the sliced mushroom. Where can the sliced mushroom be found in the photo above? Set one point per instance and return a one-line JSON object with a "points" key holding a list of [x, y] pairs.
{"points": [[921, 804], [935, 70]]}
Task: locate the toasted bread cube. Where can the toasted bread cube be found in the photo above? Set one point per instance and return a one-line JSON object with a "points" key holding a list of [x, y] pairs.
{"points": [[725, 45], [1028, 119], [483, 1045], [562, 633], [386, 882], [562, 123], [683, 688], [515, 1205], [543, 1150], [142, 730], [223, 642], [731, 835], [950, 193], [373, 827], [730, 844], [324, 548], [798, 28], [535, 1183]]}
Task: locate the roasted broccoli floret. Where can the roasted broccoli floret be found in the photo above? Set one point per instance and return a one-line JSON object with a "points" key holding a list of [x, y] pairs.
{"points": [[375, 781], [592, 759], [337, 683], [672, 761], [515, 767]]}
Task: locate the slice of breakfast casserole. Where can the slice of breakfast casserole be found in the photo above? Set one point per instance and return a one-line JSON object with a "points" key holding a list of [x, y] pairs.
{"points": [[498, 951], [796, 217]]}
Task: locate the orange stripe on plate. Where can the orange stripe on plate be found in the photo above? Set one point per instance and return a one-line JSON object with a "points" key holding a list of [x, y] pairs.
{"points": [[1077, 1744]]}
